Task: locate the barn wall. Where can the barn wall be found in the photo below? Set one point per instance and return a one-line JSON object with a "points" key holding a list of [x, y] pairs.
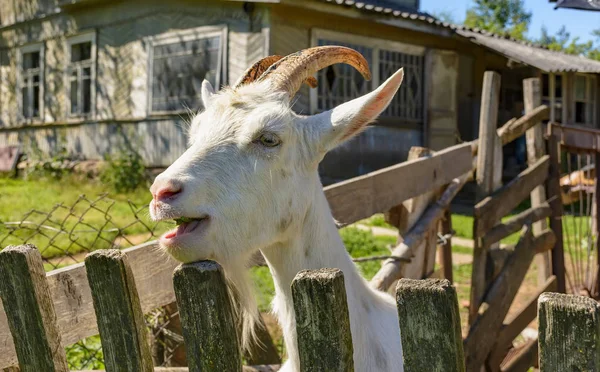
{"points": [[122, 30]]}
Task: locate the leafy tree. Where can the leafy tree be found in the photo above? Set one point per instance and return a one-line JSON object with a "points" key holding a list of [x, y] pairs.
{"points": [[562, 42], [500, 16]]}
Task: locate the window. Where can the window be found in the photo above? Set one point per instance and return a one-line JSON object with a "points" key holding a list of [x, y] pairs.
{"points": [[81, 74], [180, 62], [585, 98], [31, 70], [552, 95], [340, 83]]}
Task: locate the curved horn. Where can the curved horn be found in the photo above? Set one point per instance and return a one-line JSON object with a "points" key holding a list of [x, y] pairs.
{"points": [[258, 68], [288, 73]]}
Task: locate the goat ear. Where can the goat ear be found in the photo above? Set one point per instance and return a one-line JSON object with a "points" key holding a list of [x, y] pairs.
{"points": [[350, 118], [207, 92]]}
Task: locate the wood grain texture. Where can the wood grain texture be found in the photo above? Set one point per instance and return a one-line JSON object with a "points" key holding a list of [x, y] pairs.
{"points": [[526, 358], [490, 210], [30, 310], [515, 129], [536, 148], [488, 176], [207, 318], [375, 192], [445, 249], [118, 312], [322, 321], [392, 270], [554, 199], [515, 223], [516, 323], [496, 303], [569, 333], [430, 323], [72, 298]]}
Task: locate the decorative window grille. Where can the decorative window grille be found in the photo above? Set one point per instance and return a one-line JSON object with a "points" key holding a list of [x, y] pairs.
{"points": [[585, 99], [340, 83], [31, 82], [179, 65], [81, 74]]}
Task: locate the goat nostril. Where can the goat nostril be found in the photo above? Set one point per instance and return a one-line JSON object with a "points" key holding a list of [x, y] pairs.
{"points": [[166, 193]]}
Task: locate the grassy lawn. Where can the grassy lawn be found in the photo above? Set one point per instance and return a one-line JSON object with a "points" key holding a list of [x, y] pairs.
{"points": [[60, 222]]}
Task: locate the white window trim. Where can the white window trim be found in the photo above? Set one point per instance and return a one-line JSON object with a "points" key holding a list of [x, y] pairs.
{"points": [[369, 42], [186, 35], [20, 75], [77, 39], [589, 81]]}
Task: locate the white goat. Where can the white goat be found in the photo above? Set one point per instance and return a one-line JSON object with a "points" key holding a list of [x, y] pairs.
{"points": [[249, 182]]}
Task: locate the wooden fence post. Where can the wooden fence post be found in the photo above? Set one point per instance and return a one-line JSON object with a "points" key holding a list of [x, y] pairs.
{"points": [[118, 312], [555, 201], [445, 248], [322, 321], [489, 179], [207, 318], [536, 148], [569, 338], [30, 310], [430, 326]]}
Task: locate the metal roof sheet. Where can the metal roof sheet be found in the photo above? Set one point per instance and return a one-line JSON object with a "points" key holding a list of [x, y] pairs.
{"points": [[523, 52]]}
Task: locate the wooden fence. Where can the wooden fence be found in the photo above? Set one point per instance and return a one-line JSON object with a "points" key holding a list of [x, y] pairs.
{"points": [[415, 195], [427, 309]]}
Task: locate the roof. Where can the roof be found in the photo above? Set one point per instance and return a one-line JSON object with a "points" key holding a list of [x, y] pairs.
{"points": [[527, 53], [530, 54]]}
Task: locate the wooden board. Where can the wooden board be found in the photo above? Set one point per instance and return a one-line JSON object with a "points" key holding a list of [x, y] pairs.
{"points": [[576, 139], [9, 156], [491, 209], [72, 297], [363, 196]]}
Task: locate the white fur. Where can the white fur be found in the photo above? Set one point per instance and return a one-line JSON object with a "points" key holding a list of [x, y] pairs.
{"points": [[271, 199]]}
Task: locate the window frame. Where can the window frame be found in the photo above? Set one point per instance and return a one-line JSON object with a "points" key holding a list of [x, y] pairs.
{"points": [[89, 36], [34, 47], [192, 34], [590, 81], [376, 45]]}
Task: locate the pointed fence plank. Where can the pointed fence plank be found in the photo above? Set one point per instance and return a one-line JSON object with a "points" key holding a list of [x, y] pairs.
{"points": [[430, 324], [30, 310], [118, 312], [569, 335], [322, 321], [207, 318]]}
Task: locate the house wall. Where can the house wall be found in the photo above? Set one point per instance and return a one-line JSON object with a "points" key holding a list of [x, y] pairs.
{"points": [[122, 30], [379, 146]]}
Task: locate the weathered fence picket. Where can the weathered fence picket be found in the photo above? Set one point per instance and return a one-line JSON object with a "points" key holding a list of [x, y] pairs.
{"points": [[30, 310], [207, 318], [322, 321], [118, 312], [430, 326], [569, 333]]}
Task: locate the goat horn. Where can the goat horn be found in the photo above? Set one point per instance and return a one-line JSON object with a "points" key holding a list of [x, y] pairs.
{"points": [[288, 73], [258, 68]]}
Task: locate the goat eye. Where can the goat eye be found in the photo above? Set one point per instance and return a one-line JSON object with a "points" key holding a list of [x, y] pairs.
{"points": [[269, 140]]}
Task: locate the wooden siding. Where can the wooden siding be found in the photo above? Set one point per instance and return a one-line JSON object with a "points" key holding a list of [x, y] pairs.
{"points": [[122, 31]]}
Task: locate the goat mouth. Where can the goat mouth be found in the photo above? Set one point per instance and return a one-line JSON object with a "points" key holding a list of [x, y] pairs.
{"points": [[186, 225]]}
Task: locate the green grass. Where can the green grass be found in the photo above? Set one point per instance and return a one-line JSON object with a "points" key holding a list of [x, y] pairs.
{"points": [[83, 227], [377, 220], [359, 243]]}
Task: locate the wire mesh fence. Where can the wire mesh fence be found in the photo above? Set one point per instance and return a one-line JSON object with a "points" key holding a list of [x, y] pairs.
{"points": [[66, 233]]}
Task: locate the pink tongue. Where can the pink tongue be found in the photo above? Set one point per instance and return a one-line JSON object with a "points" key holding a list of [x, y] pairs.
{"points": [[187, 227]]}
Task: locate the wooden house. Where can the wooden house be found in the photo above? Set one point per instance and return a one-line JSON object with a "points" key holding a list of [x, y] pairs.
{"points": [[94, 76]]}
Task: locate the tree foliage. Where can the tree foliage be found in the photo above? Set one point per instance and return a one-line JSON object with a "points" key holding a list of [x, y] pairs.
{"points": [[510, 17], [500, 16]]}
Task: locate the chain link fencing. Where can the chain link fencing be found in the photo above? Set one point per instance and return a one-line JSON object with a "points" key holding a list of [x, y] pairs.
{"points": [[66, 233]]}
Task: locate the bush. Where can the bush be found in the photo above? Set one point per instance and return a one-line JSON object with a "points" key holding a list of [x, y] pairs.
{"points": [[54, 167], [124, 171]]}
